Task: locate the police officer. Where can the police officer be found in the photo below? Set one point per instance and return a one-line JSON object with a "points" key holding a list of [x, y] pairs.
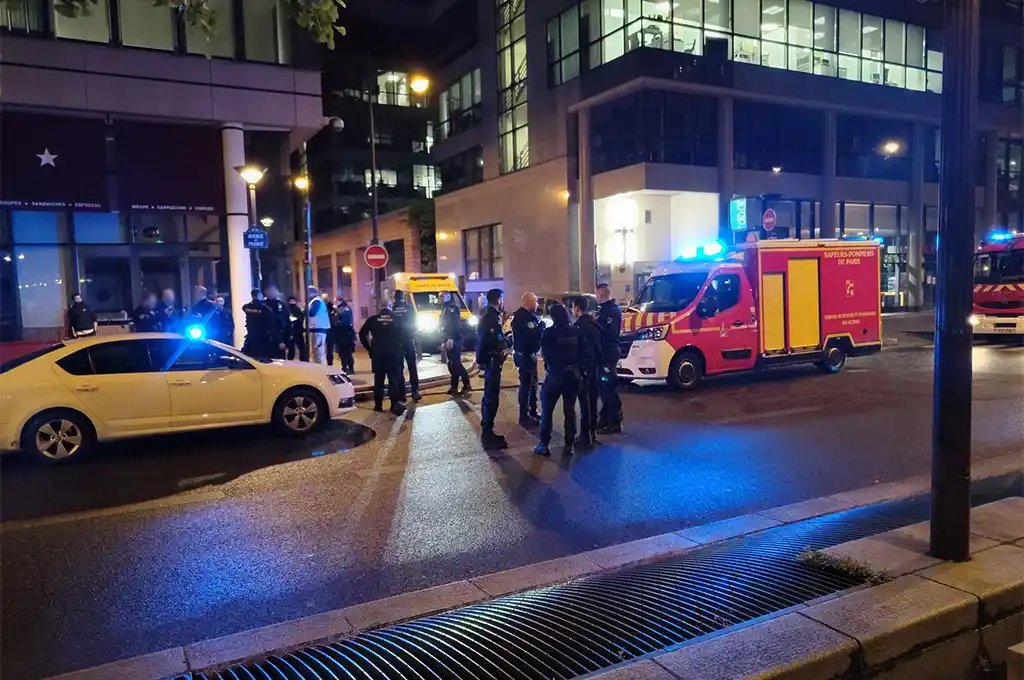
{"points": [[491, 346], [345, 335], [318, 324], [167, 312], [203, 310], [280, 320], [144, 317], [451, 342], [560, 346], [332, 334], [382, 338], [609, 318], [225, 326], [526, 329], [591, 365], [296, 339], [406, 316], [259, 327]]}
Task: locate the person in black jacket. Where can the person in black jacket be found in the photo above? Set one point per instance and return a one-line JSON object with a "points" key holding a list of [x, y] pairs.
{"points": [[450, 325], [296, 340], [144, 317], [382, 338], [609, 318], [406, 316], [592, 365], [560, 346], [225, 327], [491, 346], [82, 321], [331, 339], [202, 311], [526, 329], [167, 312], [280, 320], [345, 336], [260, 329]]}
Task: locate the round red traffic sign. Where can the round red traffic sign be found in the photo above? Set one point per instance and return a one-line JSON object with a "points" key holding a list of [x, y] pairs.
{"points": [[376, 256], [768, 219]]}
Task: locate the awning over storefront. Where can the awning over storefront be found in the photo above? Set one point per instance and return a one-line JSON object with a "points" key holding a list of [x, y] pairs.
{"points": [[52, 162], [169, 167]]}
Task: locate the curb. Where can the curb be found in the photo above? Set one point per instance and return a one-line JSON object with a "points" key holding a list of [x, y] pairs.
{"points": [[341, 623]]}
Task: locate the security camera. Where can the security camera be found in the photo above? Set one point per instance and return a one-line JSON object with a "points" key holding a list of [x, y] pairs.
{"points": [[337, 124]]}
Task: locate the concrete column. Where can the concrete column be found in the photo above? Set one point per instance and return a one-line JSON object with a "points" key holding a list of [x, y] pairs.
{"points": [[991, 214], [915, 219], [726, 179], [236, 203], [587, 268], [827, 227]]}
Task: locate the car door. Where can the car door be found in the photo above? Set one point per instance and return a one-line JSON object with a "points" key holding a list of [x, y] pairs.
{"points": [[735, 323], [209, 386], [117, 383]]}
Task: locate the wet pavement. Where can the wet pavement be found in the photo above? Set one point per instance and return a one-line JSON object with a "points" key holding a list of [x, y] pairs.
{"points": [[159, 542]]}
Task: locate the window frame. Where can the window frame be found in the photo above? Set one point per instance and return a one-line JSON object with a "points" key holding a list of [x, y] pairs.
{"points": [[495, 255]]}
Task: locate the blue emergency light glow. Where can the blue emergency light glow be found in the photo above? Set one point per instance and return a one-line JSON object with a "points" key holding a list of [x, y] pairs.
{"points": [[194, 332], [688, 252], [713, 248], [710, 249], [997, 236]]}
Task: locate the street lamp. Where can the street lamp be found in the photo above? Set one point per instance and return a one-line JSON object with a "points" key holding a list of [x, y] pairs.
{"points": [[267, 222], [251, 175], [419, 83], [891, 147]]}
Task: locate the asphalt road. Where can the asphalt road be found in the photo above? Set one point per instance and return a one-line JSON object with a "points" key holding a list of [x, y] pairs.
{"points": [[155, 543]]}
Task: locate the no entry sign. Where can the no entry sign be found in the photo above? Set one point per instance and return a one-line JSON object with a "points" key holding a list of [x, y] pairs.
{"points": [[768, 219], [376, 256]]}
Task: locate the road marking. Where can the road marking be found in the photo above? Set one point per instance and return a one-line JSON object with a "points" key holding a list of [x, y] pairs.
{"points": [[156, 504], [767, 415]]}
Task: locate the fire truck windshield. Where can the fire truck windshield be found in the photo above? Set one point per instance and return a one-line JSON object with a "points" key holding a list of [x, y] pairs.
{"points": [[671, 292], [1004, 267]]}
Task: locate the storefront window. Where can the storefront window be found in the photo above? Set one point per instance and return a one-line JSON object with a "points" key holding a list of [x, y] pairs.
{"points": [[105, 277], [156, 227], [324, 274], [94, 27], [222, 42], [144, 24], [99, 228]]}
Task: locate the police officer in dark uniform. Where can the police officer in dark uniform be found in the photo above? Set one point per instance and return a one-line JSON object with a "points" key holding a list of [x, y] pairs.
{"points": [[202, 311], [560, 346], [406, 316], [382, 338], [491, 346], [609, 318], [591, 365], [526, 329], [144, 317], [296, 339], [345, 335], [280, 320], [259, 328], [451, 340]]}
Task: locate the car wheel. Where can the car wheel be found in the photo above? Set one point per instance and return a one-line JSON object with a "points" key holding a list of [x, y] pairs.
{"points": [[835, 359], [686, 371], [300, 411], [56, 437]]}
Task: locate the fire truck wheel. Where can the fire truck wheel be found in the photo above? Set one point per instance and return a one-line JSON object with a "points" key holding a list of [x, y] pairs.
{"points": [[835, 359], [686, 370]]}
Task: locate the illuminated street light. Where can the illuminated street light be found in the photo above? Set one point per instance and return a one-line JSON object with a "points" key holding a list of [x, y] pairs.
{"points": [[419, 84], [267, 221], [252, 174], [776, 169], [891, 148], [301, 183]]}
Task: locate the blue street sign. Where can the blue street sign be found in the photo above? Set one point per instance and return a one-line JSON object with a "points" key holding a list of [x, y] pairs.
{"points": [[256, 238]]}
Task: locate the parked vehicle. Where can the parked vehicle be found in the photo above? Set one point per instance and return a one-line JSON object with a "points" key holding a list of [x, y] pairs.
{"points": [[999, 286], [761, 304], [425, 292]]}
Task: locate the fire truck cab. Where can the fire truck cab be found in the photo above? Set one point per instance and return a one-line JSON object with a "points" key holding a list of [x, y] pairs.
{"points": [[754, 305], [999, 286]]}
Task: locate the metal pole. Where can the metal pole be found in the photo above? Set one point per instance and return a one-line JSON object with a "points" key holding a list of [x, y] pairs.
{"points": [[951, 425], [308, 219], [374, 237], [252, 225]]}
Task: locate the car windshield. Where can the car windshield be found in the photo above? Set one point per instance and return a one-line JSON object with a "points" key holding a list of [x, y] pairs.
{"points": [[1005, 267], [671, 292], [25, 358], [435, 300]]}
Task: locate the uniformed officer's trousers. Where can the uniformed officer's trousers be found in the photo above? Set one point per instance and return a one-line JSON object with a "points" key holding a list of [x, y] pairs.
{"points": [[455, 368], [409, 357], [492, 395], [611, 405], [589, 386], [527, 365], [558, 385], [389, 369]]}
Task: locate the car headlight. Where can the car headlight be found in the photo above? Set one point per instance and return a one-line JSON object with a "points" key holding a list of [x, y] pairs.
{"points": [[473, 321], [653, 333], [426, 324], [973, 319], [338, 379]]}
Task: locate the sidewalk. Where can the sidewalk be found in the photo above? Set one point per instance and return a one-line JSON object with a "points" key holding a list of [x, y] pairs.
{"points": [[431, 371], [908, 329]]}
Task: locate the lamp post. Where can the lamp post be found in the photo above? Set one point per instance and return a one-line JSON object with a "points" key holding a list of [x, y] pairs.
{"points": [[302, 184], [251, 175]]}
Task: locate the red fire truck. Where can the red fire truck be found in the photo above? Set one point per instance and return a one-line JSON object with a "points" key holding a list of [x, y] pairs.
{"points": [[999, 286], [754, 305]]}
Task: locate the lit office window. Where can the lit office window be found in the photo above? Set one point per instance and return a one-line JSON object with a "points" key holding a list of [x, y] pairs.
{"points": [[146, 25], [801, 21], [94, 27], [385, 178], [24, 16], [773, 20], [513, 133], [459, 105], [426, 180], [221, 43], [393, 89], [716, 16]]}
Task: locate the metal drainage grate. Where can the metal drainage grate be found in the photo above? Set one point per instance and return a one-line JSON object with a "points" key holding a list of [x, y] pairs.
{"points": [[580, 627]]}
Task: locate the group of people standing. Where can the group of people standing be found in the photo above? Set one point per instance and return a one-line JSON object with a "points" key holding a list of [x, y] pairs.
{"points": [[389, 337], [164, 315], [580, 357]]}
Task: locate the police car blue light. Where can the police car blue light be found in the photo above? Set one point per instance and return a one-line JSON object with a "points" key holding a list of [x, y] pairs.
{"points": [[194, 333]]}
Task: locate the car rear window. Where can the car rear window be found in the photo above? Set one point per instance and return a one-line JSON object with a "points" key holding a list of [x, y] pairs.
{"points": [[25, 358]]}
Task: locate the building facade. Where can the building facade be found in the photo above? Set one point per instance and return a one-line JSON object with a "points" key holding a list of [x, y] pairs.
{"points": [[610, 134], [122, 132]]}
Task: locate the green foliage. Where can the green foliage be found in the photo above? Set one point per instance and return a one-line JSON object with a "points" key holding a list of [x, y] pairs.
{"points": [[318, 17], [846, 566]]}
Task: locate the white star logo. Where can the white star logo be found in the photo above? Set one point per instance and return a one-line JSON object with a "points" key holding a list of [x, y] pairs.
{"points": [[47, 158]]}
